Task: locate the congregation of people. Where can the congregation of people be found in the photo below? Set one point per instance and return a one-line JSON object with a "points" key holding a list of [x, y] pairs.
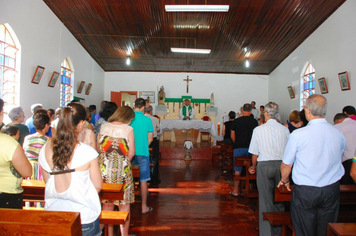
{"points": [[76, 149], [307, 151]]}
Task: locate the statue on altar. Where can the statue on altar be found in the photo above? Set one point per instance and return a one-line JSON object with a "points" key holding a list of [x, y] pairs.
{"points": [[212, 100], [161, 96]]}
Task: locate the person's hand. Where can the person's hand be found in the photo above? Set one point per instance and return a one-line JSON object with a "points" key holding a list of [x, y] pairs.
{"points": [[252, 170], [286, 184]]}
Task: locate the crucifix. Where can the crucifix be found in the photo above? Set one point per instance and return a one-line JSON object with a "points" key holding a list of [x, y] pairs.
{"points": [[187, 79]]}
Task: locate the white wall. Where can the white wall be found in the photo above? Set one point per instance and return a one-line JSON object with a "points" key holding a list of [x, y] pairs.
{"points": [[331, 49], [46, 42], [230, 91]]}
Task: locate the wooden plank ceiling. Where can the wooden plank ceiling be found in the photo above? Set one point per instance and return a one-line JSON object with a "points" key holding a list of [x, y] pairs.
{"points": [[269, 30]]}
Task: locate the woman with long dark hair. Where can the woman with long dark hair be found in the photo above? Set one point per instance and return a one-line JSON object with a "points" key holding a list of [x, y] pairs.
{"points": [[71, 171]]}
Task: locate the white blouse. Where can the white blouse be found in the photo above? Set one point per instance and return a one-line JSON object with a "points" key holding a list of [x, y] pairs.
{"points": [[81, 196]]}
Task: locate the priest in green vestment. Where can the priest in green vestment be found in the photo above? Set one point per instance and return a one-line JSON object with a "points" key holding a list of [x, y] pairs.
{"points": [[187, 111]]}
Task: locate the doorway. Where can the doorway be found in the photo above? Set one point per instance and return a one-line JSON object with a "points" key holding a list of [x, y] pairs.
{"points": [[124, 98]]}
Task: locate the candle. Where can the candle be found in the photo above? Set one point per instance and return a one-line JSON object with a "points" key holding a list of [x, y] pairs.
{"points": [[218, 128]]}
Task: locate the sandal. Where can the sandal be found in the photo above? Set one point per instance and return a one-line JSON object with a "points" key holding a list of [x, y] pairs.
{"points": [[150, 209], [235, 195]]}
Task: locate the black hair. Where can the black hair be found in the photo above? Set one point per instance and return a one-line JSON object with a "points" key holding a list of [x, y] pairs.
{"points": [[10, 130], [40, 119], [349, 110], [140, 102], [232, 115], [109, 109], [340, 116]]}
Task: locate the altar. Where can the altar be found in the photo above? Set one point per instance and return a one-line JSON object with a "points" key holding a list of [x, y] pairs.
{"points": [[187, 130]]}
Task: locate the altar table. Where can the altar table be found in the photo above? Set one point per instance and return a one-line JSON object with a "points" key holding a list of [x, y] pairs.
{"points": [[202, 126]]}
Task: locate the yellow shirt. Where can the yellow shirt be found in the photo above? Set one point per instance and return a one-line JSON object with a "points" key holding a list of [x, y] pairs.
{"points": [[10, 179]]}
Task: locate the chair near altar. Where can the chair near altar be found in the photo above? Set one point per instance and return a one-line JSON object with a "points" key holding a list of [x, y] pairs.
{"points": [[205, 134]]}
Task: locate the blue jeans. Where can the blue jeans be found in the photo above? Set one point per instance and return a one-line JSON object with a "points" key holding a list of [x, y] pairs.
{"points": [[91, 229], [240, 152], [144, 163]]}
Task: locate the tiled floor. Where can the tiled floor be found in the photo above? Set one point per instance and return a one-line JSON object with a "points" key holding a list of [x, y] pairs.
{"points": [[193, 199]]}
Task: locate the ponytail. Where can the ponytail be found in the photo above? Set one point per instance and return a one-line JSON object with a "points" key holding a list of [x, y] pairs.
{"points": [[65, 139]]}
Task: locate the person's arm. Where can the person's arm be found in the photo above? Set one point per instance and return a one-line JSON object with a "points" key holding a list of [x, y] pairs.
{"points": [[285, 172], [93, 140], [150, 138], [157, 126], [21, 163], [232, 135], [95, 174], [131, 139], [353, 170], [252, 168], [223, 130]]}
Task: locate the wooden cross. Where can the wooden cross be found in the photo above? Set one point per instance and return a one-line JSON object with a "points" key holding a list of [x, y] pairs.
{"points": [[187, 79]]}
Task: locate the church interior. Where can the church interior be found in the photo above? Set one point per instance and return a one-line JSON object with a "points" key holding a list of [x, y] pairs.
{"points": [[256, 50]]}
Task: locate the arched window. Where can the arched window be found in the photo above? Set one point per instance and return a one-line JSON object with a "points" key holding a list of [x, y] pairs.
{"points": [[66, 94], [9, 67], [307, 84]]}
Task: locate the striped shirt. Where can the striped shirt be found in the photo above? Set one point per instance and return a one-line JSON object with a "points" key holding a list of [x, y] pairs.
{"points": [[269, 141], [33, 144]]}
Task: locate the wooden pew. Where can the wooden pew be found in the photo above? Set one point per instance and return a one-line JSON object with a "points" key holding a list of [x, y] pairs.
{"points": [[280, 219], [347, 194], [347, 197], [341, 229], [20, 222], [136, 176], [246, 162], [35, 190]]}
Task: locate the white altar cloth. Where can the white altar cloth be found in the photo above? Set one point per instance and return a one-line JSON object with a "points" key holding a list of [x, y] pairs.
{"points": [[202, 126]]}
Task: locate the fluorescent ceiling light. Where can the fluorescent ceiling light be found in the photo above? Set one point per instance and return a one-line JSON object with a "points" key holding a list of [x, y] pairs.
{"points": [[191, 26], [197, 8], [191, 50], [247, 63]]}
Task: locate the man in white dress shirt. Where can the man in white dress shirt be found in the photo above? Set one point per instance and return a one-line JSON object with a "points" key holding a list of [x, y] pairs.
{"points": [[315, 153], [348, 127], [267, 147], [187, 111], [255, 112]]}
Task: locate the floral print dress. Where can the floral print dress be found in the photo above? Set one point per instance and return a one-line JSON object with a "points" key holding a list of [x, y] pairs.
{"points": [[113, 159]]}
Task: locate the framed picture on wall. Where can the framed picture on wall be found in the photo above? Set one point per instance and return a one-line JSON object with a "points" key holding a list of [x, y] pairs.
{"points": [[53, 79], [291, 92], [38, 75], [323, 86], [344, 81], [87, 92], [147, 94], [81, 86]]}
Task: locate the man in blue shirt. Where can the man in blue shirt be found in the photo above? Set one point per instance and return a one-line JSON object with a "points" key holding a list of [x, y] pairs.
{"points": [[315, 152], [143, 131]]}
